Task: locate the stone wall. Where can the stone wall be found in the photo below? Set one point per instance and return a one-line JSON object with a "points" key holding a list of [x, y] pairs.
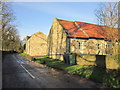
{"points": [[56, 41], [85, 60], [36, 45], [104, 61], [88, 46], [111, 63]]}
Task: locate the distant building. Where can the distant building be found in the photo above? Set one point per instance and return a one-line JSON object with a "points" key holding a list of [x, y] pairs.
{"points": [[36, 45], [76, 37]]}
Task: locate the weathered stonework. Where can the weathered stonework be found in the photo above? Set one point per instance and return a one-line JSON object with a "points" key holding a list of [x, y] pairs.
{"points": [[88, 46], [59, 42], [36, 45], [56, 41], [85, 59], [111, 63]]}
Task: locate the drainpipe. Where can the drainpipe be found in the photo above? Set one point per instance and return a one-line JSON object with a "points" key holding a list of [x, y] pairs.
{"points": [[68, 45]]}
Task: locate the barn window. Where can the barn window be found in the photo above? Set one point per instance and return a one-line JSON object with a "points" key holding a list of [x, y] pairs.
{"points": [[98, 46], [109, 45], [108, 48], [80, 45]]}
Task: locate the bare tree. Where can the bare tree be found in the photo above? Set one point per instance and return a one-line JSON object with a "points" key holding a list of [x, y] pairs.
{"points": [[107, 15], [10, 38]]}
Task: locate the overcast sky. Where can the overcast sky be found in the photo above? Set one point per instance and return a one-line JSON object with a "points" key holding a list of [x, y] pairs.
{"points": [[32, 17]]}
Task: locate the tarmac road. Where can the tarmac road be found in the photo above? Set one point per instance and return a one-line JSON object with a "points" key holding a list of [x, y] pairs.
{"points": [[18, 72]]}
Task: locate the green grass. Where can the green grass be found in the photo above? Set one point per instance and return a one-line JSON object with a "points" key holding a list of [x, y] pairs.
{"points": [[90, 72], [24, 54]]}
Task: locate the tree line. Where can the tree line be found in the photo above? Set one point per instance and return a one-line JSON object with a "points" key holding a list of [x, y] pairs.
{"points": [[107, 15], [9, 36]]}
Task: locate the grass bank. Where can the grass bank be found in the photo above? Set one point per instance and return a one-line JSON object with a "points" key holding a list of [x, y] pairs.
{"points": [[24, 54], [110, 79]]}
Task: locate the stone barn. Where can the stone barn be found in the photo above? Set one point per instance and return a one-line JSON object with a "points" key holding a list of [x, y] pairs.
{"points": [[36, 44], [66, 37]]}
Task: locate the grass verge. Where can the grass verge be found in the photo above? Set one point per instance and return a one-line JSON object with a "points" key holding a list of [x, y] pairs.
{"points": [[91, 72], [24, 54]]}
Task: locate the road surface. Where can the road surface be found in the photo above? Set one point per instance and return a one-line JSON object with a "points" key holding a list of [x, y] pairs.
{"points": [[18, 72]]}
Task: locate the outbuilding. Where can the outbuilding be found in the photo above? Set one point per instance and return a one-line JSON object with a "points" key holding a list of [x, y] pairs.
{"points": [[36, 44]]}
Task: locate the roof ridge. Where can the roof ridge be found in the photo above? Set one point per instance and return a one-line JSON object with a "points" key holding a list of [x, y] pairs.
{"points": [[81, 29], [84, 22], [40, 37]]}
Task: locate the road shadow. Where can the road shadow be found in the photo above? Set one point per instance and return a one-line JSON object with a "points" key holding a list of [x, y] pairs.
{"points": [[4, 53]]}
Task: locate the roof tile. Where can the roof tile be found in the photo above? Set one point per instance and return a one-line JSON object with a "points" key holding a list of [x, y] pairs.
{"points": [[83, 30]]}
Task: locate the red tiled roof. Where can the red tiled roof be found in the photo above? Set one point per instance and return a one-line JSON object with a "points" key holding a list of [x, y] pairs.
{"points": [[83, 30]]}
